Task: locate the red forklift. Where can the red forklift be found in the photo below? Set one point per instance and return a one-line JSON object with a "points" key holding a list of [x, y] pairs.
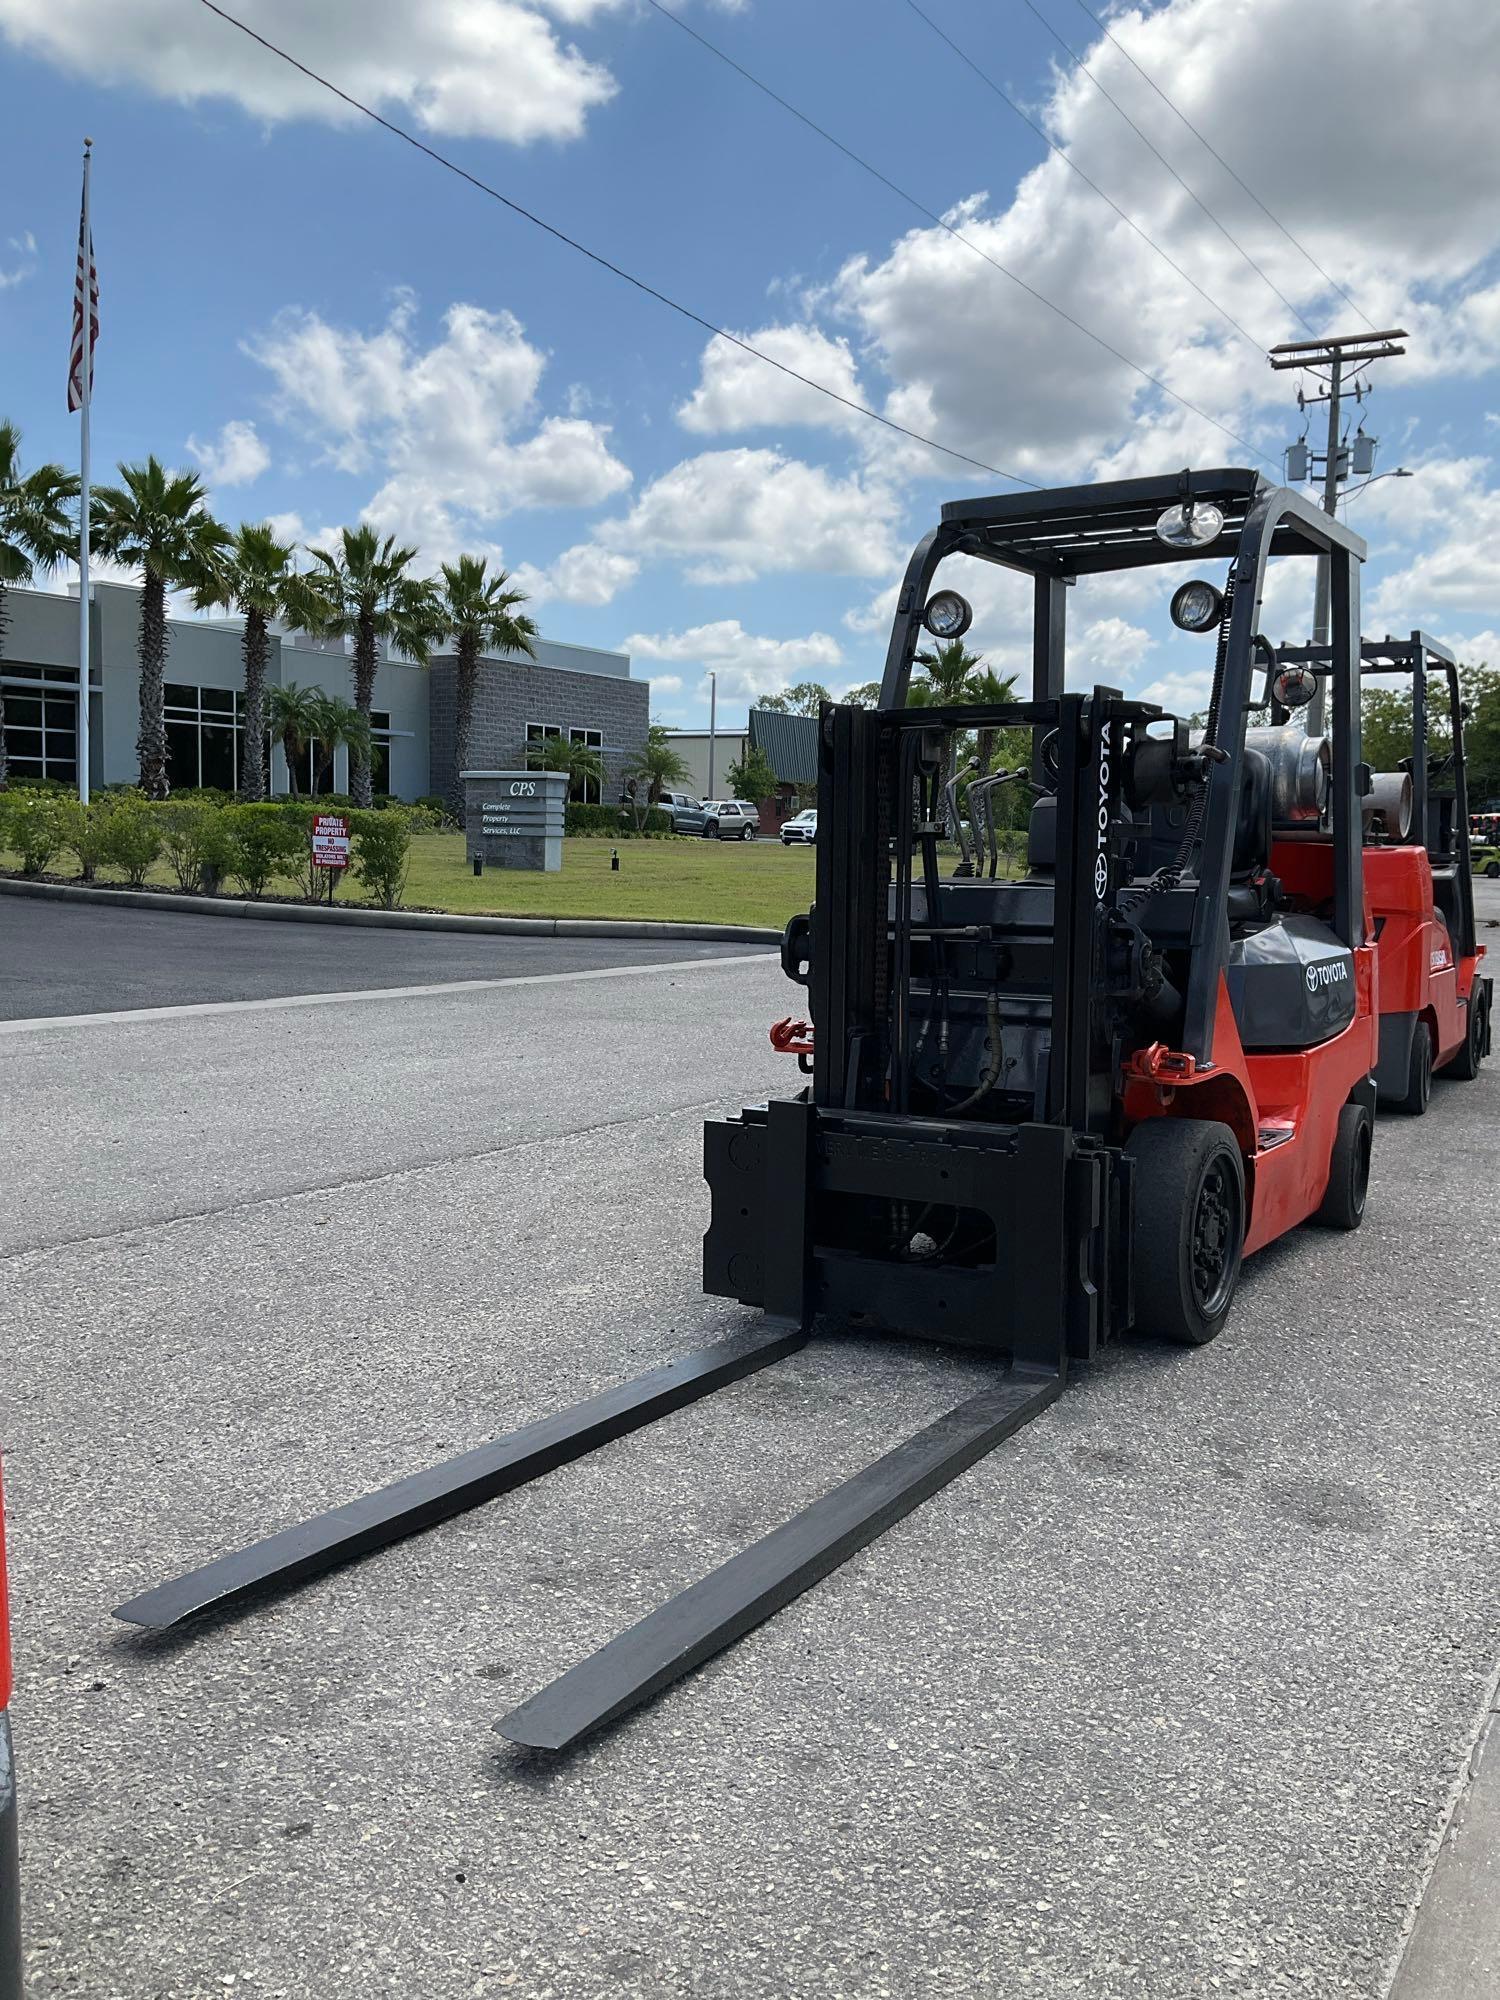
{"points": [[1435, 1000], [1039, 1113]]}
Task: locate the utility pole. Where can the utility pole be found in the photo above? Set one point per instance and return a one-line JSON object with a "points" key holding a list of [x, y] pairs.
{"points": [[713, 727], [1342, 356]]}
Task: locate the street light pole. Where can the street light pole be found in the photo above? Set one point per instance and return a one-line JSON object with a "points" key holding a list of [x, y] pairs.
{"points": [[713, 727]]}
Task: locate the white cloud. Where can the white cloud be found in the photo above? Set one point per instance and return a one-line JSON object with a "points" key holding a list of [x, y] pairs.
{"points": [[492, 69], [583, 574], [20, 261], [235, 458], [440, 421], [747, 663], [1406, 219], [666, 683], [735, 515], [736, 392]]}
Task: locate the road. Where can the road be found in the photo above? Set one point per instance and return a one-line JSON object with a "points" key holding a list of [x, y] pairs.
{"points": [[1170, 1696]]}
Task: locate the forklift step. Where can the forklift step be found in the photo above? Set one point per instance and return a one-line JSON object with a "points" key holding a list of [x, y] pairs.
{"points": [[760, 1581], [436, 1494]]}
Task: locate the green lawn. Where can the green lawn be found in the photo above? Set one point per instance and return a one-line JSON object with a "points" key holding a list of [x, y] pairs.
{"points": [[684, 881]]}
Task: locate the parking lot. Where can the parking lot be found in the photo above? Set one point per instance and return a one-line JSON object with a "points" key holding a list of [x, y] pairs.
{"points": [[1171, 1695]]}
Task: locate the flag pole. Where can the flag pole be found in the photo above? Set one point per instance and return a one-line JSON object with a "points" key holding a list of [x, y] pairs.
{"points": [[86, 252]]}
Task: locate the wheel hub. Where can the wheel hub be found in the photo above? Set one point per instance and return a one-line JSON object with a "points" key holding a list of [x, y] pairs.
{"points": [[1213, 1237]]}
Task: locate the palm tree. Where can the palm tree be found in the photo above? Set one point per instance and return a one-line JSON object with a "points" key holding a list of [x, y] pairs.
{"points": [[36, 532], [254, 578], [654, 767], [364, 591], [951, 680], [482, 615], [156, 522], [292, 714], [338, 722], [583, 764]]}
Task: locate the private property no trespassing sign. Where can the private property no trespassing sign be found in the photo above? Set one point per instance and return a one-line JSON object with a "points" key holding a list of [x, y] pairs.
{"points": [[330, 841]]}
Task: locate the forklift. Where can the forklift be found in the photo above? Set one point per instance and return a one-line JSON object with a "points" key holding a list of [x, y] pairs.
{"points": [[1039, 1113], [1434, 1000]]}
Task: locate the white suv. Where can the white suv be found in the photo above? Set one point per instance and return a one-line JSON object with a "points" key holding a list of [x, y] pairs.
{"points": [[731, 819]]}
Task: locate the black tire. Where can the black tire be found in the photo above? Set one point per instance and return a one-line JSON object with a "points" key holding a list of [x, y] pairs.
{"points": [[1492, 870], [711, 829], [1343, 1206], [1418, 1073], [747, 833], [1189, 1233], [1464, 1067]]}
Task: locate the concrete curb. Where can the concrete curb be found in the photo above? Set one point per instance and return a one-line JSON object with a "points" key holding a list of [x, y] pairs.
{"points": [[395, 920]]}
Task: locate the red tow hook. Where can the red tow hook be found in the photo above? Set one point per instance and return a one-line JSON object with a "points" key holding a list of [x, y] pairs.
{"points": [[793, 1038]]}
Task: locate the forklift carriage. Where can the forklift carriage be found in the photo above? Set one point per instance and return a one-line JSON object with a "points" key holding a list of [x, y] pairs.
{"points": [[1041, 1111]]}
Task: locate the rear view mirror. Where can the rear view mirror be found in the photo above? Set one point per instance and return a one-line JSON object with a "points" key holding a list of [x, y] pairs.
{"points": [[1294, 687]]}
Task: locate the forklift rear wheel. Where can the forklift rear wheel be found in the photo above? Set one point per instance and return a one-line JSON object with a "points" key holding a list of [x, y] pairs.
{"points": [[1418, 1073], [1343, 1206], [1189, 1233], [1465, 1065]]}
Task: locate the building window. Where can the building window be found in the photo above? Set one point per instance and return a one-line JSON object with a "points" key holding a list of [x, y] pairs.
{"points": [[41, 733], [585, 791], [537, 734], [203, 731], [380, 753]]}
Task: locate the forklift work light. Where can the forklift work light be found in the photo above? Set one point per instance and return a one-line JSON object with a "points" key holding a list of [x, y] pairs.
{"points": [[948, 616], [1192, 524], [1197, 607]]}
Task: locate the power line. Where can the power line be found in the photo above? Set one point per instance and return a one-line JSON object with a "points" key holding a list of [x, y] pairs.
{"points": [[1146, 76], [1079, 63], [595, 257], [940, 222], [1068, 160]]}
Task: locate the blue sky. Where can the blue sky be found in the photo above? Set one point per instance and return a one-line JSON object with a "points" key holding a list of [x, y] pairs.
{"points": [[330, 326]]}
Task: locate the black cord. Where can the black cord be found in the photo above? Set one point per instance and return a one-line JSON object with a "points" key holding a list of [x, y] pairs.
{"points": [[594, 256]]}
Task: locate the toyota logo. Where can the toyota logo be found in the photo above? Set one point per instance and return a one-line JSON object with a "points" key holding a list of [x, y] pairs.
{"points": [[1101, 876]]}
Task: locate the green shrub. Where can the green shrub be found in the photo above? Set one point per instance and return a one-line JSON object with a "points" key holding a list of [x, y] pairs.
{"points": [[382, 850], [263, 841], [36, 825], [194, 839], [129, 836], [613, 822], [87, 833]]}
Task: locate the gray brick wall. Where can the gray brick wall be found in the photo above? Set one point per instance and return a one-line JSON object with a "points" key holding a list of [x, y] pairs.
{"points": [[512, 693]]}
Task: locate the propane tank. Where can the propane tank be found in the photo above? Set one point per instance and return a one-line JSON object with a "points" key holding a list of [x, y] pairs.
{"points": [[1300, 767], [1389, 800]]}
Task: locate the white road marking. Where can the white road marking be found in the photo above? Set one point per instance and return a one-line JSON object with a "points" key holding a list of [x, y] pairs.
{"points": [[363, 993]]}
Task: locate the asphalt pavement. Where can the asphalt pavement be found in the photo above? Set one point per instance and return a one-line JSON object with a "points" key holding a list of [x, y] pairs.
{"points": [[1174, 1694], [60, 958]]}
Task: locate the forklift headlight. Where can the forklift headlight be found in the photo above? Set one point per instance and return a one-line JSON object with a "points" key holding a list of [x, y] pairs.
{"points": [[1197, 607], [1192, 524], [948, 616]]}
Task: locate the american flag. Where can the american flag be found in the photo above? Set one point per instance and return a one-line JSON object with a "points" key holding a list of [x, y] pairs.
{"points": [[75, 357]]}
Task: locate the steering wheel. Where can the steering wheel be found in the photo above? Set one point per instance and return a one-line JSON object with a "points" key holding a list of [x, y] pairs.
{"points": [[1047, 756]]}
